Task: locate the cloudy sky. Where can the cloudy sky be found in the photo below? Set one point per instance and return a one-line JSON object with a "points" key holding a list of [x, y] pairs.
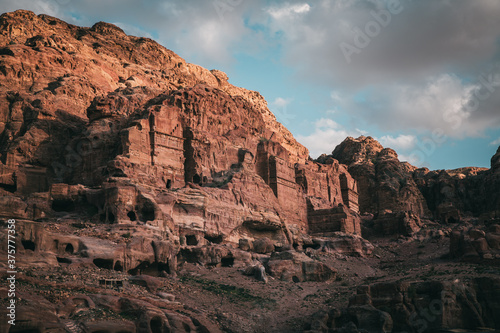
{"points": [[421, 76]]}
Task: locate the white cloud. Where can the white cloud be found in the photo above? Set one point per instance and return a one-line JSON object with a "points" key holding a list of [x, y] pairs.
{"points": [[280, 110], [440, 102], [326, 136], [418, 76], [281, 102], [495, 142], [49, 7], [401, 142], [288, 10]]}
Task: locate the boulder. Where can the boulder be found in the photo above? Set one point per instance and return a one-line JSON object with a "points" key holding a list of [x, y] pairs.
{"points": [[297, 267]]}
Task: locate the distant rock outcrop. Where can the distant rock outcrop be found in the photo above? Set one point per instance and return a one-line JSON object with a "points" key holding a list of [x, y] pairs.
{"points": [[386, 185]]}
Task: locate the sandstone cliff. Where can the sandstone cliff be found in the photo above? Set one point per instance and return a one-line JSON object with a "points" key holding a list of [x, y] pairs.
{"points": [[118, 130]]}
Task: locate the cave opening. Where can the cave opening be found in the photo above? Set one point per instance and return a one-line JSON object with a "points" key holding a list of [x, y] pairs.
{"points": [[9, 188], [156, 325], [103, 263], [148, 212], [215, 239], [28, 245], [227, 262], [154, 269], [63, 205], [118, 266], [191, 240], [69, 248], [64, 260], [131, 215]]}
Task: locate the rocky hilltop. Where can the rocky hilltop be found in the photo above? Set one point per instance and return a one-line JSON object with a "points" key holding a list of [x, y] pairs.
{"points": [[387, 186], [151, 195]]}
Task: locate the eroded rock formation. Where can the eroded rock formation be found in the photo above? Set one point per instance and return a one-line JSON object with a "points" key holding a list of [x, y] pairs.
{"points": [[150, 139], [387, 186]]}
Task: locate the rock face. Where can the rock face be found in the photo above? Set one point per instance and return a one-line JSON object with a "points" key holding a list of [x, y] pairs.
{"points": [[415, 307], [476, 244], [387, 186], [117, 154], [150, 139], [297, 267], [150, 315], [384, 183]]}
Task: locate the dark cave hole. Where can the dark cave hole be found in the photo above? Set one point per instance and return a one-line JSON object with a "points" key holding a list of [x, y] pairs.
{"points": [[451, 220], [148, 213], [169, 183], [118, 266], [227, 262], [295, 279], [189, 256], [69, 249], [214, 239], [186, 327], [63, 260], [314, 246], [103, 263], [191, 240], [9, 188], [156, 324], [154, 269], [197, 179], [63, 205], [111, 217], [131, 215], [28, 245]]}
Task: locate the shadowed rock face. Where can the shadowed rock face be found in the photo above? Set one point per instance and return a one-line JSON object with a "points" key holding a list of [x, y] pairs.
{"points": [[415, 307], [386, 184]]}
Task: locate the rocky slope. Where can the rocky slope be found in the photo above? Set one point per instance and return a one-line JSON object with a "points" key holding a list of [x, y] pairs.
{"points": [[151, 195]]}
